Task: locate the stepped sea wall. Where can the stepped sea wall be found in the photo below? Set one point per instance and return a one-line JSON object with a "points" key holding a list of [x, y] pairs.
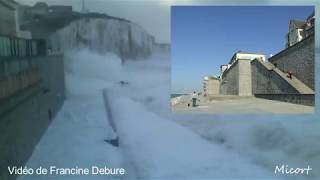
{"points": [[299, 59]]}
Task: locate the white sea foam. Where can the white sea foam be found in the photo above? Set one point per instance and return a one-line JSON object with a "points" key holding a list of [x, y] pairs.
{"points": [[155, 143]]}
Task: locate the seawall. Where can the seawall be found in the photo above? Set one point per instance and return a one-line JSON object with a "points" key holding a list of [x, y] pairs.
{"points": [[299, 59], [229, 84], [269, 82], [237, 79], [26, 111]]}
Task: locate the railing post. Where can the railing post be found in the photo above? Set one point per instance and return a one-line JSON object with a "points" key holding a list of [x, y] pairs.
{"points": [[114, 141]]}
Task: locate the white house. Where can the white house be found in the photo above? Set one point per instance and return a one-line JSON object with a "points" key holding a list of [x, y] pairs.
{"points": [[247, 56], [298, 30], [295, 34]]}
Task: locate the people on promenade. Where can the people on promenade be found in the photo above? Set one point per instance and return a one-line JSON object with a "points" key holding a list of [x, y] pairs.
{"points": [[194, 99]]}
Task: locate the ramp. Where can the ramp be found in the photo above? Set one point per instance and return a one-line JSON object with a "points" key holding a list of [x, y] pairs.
{"points": [[294, 82]]}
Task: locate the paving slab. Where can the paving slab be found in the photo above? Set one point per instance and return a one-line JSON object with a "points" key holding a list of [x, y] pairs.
{"points": [[235, 104]]}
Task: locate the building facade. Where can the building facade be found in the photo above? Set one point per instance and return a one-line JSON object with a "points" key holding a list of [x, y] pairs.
{"points": [[8, 17], [299, 30], [223, 68], [295, 33], [211, 86], [241, 55], [246, 55], [32, 90], [9, 10], [41, 10]]}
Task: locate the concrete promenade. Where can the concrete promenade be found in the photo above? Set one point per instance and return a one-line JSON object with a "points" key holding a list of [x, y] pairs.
{"points": [[235, 104]]}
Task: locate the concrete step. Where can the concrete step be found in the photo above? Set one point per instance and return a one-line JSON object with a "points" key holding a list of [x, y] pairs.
{"points": [[227, 97]]}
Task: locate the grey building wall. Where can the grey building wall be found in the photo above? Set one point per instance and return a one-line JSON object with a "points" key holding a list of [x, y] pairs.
{"points": [[304, 99], [245, 84], [230, 80], [299, 59], [7, 18], [214, 86], [270, 83], [266, 81], [237, 79], [25, 116], [211, 86]]}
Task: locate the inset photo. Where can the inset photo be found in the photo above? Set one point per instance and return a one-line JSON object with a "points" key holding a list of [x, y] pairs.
{"points": [[243, 59]]}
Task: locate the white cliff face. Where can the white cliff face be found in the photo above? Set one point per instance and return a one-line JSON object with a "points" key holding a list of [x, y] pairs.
{"points": [[126, 39]]}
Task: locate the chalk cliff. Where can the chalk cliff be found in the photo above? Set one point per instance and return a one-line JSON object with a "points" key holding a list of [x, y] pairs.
{"points": [[124, 38], [66, 29]]}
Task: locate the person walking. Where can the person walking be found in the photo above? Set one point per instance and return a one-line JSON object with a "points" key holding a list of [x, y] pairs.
{"points": [[290, 74], [194, 99]]}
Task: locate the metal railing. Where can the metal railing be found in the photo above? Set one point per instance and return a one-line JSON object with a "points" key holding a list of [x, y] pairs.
{"points": [[11, 46], [17, 68]]}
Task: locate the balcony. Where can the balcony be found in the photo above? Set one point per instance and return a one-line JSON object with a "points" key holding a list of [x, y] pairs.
{"points": [[18, 69], [13, 47]]}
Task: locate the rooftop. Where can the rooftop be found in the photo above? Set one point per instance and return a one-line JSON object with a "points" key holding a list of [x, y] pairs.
{"points": [[241, 52], [207, 78]]}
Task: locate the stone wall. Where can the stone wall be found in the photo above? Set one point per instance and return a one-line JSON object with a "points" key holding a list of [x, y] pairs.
{"points": [[237, 79], [25, 116], [230, 80], [211, 86], [299, 59], [245, 84], [269, 82], [304, 99], [266, 81], [214, 86]]}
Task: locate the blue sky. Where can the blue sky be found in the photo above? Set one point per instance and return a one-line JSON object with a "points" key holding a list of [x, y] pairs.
{"points": [[204, 37]]}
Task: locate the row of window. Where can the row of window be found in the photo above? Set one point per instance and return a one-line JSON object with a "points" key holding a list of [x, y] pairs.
{"points": [[14, 47]]}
